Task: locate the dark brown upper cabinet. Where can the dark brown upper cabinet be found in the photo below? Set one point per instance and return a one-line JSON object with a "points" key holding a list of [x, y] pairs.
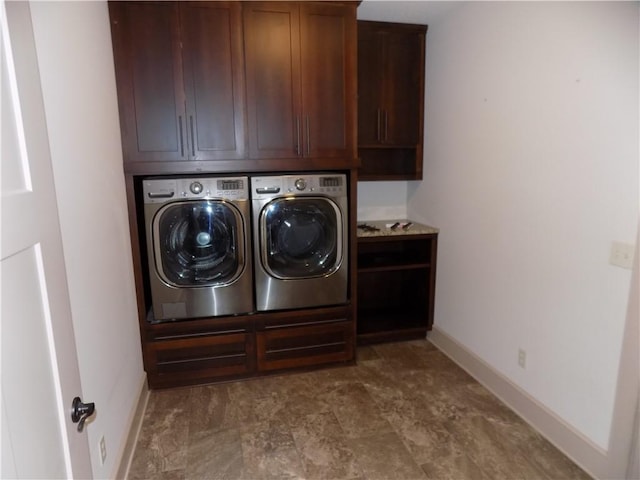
{"points": [[179, 71], [300, 60], [391, 70]]}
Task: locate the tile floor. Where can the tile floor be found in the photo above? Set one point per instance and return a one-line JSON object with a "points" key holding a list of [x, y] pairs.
{"points": [[404, 412]]}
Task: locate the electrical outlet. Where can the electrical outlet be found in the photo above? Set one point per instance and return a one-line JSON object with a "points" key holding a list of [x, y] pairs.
{"points": [[522, 358], [103, 450], [621, 255]]}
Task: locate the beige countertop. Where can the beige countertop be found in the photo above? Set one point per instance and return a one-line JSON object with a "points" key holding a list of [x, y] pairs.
{"points": [[384, 228]]}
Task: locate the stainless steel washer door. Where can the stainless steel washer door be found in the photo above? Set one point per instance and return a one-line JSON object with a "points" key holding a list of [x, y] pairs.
{"points": [[198, 243], [301, 237]]}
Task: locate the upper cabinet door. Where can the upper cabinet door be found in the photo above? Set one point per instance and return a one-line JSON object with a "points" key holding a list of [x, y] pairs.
{"points": [[301, 79], [149, 78], [403, 86], [180, 80], [272, 65], [328, 58], [371, 73], [214, 79]]}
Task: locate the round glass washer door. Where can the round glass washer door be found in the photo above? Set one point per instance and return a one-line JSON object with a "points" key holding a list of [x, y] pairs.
{"points": [[301, 237], [198, 243]]}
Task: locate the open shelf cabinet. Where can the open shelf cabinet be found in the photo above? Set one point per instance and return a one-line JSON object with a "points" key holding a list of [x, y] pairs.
{"points": [[396, 287]]}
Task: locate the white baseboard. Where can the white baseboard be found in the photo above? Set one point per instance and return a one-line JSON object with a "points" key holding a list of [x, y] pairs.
{"points": [[134, 430], [572, 443]]}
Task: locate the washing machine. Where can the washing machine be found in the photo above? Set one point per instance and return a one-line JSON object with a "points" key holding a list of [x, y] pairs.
{"points": [[198, 238], [300, 229]]}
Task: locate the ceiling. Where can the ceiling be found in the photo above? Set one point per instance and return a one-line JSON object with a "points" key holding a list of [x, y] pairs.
{"points": [[423, 12]]}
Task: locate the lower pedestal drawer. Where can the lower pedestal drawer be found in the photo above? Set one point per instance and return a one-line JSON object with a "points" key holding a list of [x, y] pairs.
{"points": [[196, 360], [294, 347]]}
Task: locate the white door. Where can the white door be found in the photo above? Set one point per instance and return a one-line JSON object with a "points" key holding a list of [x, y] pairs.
{"points": [[40, 375]]}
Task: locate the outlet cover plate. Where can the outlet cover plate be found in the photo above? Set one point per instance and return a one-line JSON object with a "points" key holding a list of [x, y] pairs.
{"points": [[622, 255]]}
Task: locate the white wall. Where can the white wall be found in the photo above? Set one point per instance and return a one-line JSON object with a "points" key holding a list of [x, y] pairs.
{"points": [[531, 171], [382, 201], [76, 65]]}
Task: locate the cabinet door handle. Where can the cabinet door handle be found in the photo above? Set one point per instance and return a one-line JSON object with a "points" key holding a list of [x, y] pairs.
{"points": [[181, 136], [386, 124], [193, 144], [378, 116], [298, 146], [308, 135]]}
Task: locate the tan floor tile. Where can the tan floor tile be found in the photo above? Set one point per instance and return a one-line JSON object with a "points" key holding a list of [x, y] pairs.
{"points": [[405, 411], [356, 411], [268, 451], [491, 450], [384, 456], [448, 463], [215, 455], [321, 444], [162, 444]]}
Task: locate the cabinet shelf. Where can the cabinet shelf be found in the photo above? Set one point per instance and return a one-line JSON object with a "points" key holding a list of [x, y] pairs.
{"points": [[394, 251], [380, 319], [391, 268], [373, 146], [391, 324], [390, 162]]}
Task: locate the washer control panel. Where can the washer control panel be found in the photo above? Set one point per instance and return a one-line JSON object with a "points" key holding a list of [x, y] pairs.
{"points": [[196, 188], [160, 190]]}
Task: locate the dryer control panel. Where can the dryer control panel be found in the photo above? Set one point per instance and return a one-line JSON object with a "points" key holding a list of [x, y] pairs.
{"points": [[160, 190], [330, 184]]}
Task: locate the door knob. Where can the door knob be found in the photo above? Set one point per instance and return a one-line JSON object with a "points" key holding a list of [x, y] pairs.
{"points": [[81, 411]]}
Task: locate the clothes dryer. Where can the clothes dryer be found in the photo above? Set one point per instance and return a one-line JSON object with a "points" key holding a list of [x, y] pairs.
{"points": [[301, 240]]}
